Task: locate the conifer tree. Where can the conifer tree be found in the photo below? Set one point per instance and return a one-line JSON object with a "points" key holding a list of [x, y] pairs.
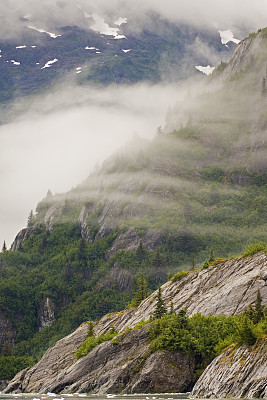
{"points": [[259, 310], [160, 309], [140, 252], [172, 311], [212, 257], [141, 292], [31, 219], [90, 331], [4, 248], [205, 264]]}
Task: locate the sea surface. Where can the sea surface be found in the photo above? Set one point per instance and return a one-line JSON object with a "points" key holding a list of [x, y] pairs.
{"points": [[84, 396]]}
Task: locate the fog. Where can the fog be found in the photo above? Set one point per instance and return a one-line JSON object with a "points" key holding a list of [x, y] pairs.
{"points": [[55, 140], [224, 14]]}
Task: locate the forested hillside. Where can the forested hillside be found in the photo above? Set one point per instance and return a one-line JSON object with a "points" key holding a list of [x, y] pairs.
{"points": [[197, 191]]}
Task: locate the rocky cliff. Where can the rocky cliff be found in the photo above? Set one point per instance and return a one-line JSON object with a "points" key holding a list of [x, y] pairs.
{"points": [[237, 372], [125, 365]]}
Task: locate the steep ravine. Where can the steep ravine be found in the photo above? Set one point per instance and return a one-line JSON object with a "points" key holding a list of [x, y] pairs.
{"points": [[126, 365]]}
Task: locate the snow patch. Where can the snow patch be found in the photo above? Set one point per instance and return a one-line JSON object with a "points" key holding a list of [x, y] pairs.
{"points": [[227, 36], [15, 62], [52, 35], [33, 47], [37, 63], [21, 47], [103, 28], [120, 37], [49, 63], [126, 51], [78, 72], [78, 68], [91, 48], [121, 21], [206, 70]]}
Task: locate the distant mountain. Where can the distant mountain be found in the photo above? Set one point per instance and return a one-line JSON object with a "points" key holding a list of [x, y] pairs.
{"points": [[197, 189], [106, 54]]}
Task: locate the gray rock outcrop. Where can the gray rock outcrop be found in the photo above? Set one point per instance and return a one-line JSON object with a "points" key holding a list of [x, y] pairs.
{"points": [[7, 332], [237, 372], [125, 364], [46, 314], [121, 366]]}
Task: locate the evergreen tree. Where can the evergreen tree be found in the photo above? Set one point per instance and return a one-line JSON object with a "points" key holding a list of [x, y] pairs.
{"points": [[4, 248], [157, 260], [49, 194], [31, 219], [141, 292], [160, 309], [90, 331], [263, 87], [246, 334], [140, 252], [205, 264], [182, 318], [172, 311], [212, 257], [82, 250], [259, 309]]}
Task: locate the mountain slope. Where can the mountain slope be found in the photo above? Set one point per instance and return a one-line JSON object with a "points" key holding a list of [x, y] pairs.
{"points": [[160, 51], [150, 209], [125, 365]]}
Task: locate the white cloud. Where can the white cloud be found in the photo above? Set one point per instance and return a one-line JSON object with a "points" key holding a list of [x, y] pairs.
{"points": [[62, 135]]}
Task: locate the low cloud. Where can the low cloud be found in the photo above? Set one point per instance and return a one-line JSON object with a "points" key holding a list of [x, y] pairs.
{"points": [[55, 140], [224, 14]]}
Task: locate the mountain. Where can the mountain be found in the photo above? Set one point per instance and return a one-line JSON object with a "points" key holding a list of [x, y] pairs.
{"points": [[127, 362], [152, 209], [118, 52]]}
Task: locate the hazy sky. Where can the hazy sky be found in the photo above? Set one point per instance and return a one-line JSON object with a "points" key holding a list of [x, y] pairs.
{"points": [[45, 148]]}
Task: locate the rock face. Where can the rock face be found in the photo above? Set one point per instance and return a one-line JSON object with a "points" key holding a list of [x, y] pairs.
{"points": [[237, 372], [121, 366], [21, 237], [125, 364], [46, 313], [7, 332], [226, 288]]}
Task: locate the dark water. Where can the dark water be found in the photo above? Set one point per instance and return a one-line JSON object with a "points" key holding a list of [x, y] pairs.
{"points": [[84, 396]]}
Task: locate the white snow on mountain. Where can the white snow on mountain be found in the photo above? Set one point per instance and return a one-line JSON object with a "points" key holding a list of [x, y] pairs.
{"points": [[15, 62], [205, 70], [126, 51], [91, 48], [33, 47], [121, 21], [120, 37], [21, 47], [49, 63], [227, 36], [52, 35], [102, 27]]}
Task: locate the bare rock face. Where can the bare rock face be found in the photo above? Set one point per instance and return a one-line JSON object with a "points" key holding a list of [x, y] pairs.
{"points": [[130, 241], [237, 372], [125, 365], [46, 313], [226, 288], [56, 359], [119, 278], [7, 332], [121, 366], [21, 237]]}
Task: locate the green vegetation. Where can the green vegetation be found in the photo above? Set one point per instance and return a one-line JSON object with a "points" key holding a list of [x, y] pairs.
{"points": [[11, 365], [91, 342]]}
